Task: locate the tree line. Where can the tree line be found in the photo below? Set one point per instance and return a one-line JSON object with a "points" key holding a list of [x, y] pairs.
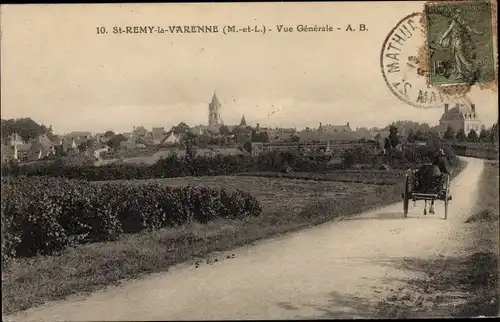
{"points": [[25, 127], [485, 135]]}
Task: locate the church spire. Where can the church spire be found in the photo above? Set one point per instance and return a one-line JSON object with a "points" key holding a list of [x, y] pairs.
{"points": [[215, 100], [214, 107], [243, 121]]}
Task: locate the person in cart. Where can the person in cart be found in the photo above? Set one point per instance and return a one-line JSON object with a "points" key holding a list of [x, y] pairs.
{"points": [[432, 178], [429, 177], [441, 161]]}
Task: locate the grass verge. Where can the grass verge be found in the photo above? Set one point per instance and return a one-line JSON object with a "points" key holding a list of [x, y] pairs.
{"points": [[32, 281]]}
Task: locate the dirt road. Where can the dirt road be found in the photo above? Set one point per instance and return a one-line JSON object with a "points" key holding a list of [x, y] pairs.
{"points": [[337, 270]]}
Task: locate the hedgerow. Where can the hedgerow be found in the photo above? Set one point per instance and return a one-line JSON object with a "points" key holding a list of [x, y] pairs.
{"points": [[274, 161], [41, 215], [172, 166]]}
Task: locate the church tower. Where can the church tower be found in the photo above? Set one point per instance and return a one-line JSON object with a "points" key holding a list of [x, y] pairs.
{"points": [[243, 121], [214, 108]]}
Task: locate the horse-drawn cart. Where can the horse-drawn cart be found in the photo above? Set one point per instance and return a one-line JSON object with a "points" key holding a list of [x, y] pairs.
{"points": [[421, 185]]}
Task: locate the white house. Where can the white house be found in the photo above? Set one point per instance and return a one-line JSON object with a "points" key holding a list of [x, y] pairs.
{"points": [[460, 117], [100, 148], [15, 139]]}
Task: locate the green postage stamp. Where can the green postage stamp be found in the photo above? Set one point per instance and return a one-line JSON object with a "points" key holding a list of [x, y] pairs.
{"points": [[460, 42]]}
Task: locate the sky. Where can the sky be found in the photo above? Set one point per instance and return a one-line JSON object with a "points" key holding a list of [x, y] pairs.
{"points": [[58, 71]]}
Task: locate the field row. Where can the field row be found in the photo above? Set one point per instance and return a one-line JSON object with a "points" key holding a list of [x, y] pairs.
{"points": [[280, 195], [43, 215], [361, 176]]}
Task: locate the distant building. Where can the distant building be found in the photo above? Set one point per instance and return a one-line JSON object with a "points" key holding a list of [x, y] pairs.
{"points": [[243, 121], [279, 134], [460, 117], [22, 151], [35, 149], [380, 137], [214, 108], [98, 149], [140, 131], [69, 143], [171, 138], [57, 141], [140, 138], [7, 153], [45, 146], [15, 139], [198, 129], [158, 134], [101, 137], [335, 137], [334, 128], [80, 135]]}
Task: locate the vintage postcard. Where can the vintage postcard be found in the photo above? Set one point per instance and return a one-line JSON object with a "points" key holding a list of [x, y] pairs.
{"points": [[278, 160]]}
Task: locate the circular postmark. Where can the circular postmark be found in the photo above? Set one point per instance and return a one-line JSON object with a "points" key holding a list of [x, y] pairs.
{"points": [[403, 66]]}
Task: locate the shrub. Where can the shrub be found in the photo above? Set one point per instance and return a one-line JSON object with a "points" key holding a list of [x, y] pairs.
{"points": [[41, 215], [358, 154]]}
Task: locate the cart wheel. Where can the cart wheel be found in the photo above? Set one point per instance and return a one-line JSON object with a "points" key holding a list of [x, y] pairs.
{"points": [[446, 197], [406, 197]]}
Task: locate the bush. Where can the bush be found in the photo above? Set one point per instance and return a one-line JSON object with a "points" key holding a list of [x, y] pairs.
{"points": [[42, 215], [358, 155]]}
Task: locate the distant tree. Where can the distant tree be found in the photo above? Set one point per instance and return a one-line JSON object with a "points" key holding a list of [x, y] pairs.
{"points": [[109, 134], [411, 136], [461, 137], [449, 134], [84, 145], [114, 141], [435, 128], [358, 154], [190, 136], [432, 137], [420, 136], [224, 130], [25, 127], [190, 151], [494, 133], [242, 130], [424, 127], [181, 128], [387, 143], [294, 138], [484, 135], [393, 136], [405, 126], [60, 151], [260, 137], [472, 136]]}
